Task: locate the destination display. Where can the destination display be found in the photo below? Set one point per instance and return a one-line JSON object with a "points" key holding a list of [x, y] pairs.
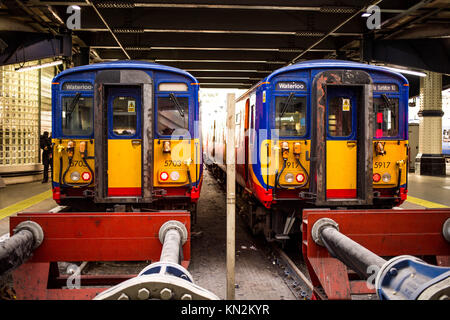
{"points": [[388, 87], [78, 86], [291, 85]]}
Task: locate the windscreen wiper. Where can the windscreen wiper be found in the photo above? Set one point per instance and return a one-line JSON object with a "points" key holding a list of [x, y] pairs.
{"points": [[287, 104], [386, 100], [73, 104], [177, 104]]}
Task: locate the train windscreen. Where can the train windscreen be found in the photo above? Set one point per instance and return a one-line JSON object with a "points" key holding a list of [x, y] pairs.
{"points": [[77, 115]]}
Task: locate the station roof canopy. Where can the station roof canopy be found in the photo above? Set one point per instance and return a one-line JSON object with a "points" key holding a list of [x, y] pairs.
{"points": [[234, 43]]}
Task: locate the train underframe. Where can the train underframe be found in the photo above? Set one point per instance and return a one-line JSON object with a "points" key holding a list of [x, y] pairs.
{"points": [[82, 200], [282, 221]]}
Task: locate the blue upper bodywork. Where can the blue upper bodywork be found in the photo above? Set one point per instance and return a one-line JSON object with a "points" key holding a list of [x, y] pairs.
{"points": [[126, 64], [332, 64], [265, 92], [159, 74]]}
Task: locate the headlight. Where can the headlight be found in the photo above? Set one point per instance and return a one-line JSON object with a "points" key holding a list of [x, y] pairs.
{"points": [[75, 176], [175, 175], [386, 177], [289, 177]]}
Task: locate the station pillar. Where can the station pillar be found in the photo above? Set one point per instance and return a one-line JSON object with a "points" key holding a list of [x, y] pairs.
{"points": [[430, 160]]}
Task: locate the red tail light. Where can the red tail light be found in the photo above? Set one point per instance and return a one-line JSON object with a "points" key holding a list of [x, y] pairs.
{"points": [[164, 176], [300, 177], [86, 176], [376, 177]]}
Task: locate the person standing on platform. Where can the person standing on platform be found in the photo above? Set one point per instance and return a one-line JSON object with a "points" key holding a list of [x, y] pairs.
{"points": [[46, 146]]}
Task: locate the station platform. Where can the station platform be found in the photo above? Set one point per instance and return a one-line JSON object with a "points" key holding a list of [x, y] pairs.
{"points": [[257, 278]]}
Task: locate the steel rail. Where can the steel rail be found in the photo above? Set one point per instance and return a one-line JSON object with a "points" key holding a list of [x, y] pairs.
{"points": [[300, 279]]}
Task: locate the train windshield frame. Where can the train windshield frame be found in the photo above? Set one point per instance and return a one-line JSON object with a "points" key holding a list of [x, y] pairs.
{"points": [[291, 114], [77, 114]]}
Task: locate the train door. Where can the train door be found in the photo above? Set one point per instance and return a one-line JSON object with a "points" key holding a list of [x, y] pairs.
{"points": [[341, 143], [124, 139], [342, 138]]}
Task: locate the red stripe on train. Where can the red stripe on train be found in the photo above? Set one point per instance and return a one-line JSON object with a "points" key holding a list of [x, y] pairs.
{"points": [[114, 192], [341, 193]]}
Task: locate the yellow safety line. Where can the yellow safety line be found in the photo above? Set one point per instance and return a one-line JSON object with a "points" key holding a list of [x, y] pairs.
{"points": [[425, 203], [19, 206]]}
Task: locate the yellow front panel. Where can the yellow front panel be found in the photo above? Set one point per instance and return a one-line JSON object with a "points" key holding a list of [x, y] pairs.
{"points": [[181, 153], [77, 165], [387, 163], [341, 165], [124, 164], [274, 162]]}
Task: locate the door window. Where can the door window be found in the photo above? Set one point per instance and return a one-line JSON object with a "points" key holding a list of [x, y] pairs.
{"points": [[340, 116], [124, 116]]}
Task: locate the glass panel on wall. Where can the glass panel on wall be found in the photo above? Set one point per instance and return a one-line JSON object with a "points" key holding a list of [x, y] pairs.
{"points": [[19, 112]]}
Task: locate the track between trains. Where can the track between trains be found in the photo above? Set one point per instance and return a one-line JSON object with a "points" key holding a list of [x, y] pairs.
{"points": [[288, 262]]}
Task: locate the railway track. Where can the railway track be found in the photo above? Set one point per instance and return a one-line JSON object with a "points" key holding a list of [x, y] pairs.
{"points": [[297, 281]]}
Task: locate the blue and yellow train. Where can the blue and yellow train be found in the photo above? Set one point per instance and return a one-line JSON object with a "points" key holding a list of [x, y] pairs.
{"points": [[126, 133], [324, 133]]}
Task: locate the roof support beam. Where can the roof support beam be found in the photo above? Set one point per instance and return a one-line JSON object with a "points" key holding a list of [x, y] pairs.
{"points": [[213, 49], [129, 5], [335, 29], [218, 61], [263, 32], [107, 26]]}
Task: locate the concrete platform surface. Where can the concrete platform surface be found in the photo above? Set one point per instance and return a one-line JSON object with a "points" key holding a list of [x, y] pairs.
{"points": [[433, 189]]}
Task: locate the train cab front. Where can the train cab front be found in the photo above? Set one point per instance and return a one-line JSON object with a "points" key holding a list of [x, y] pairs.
{"points": [[126, 136], [338, 138]]}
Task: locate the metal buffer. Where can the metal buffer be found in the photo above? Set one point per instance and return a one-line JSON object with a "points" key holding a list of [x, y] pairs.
{"points": [[165, 279], [28, 236], [401, 278]]}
